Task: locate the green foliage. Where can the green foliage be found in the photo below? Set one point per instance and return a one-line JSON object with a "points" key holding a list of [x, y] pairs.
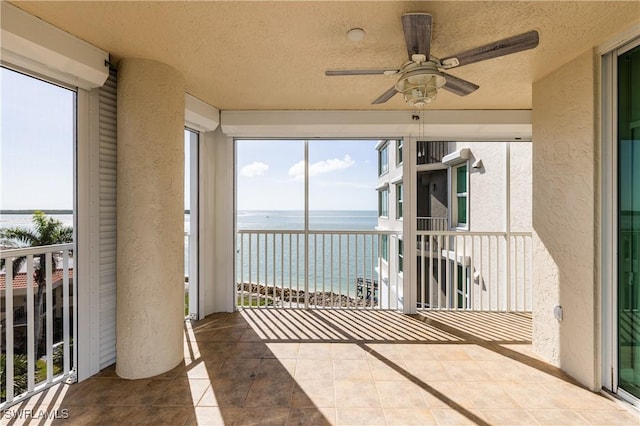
{"points": [[20, 371], [47, 231], [20, 366]]}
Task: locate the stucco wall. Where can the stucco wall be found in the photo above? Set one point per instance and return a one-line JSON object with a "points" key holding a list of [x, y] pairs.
{"points": [[564, 194], [520, 178], [150, 211], [488, 213], [487, 185]]}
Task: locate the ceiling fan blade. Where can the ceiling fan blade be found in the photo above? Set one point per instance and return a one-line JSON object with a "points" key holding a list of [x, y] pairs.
{"points": [[417, 33], [361, 72], [498, 48], [459, 86], [385, 96]]}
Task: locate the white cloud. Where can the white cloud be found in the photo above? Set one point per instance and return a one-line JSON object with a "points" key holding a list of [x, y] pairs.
{"points": [[320, 167], [256, 168]]}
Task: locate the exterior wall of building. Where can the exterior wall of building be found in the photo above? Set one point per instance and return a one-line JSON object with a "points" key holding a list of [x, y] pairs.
{"points": [[521, 186], [488, 185], [487, 204], [499, 185], [565, 146], [388, 271]]}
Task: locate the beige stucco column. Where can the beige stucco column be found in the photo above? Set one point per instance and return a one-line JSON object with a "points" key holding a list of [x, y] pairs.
{"points": [[150, 212]]}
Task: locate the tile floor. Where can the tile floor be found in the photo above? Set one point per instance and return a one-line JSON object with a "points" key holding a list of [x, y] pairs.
{"points": [[294, 367]]}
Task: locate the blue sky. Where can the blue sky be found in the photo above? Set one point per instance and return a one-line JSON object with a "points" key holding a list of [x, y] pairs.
{"points": [[270, 174], [36, 144], [36, 159]]}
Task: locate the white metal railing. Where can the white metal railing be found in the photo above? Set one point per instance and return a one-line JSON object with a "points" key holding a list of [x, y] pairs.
{"points": [[479, 271], [324, 269], [31, 364], [433, 224]]}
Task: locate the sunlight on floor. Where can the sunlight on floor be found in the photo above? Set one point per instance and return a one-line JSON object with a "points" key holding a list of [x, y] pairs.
{"points": [[280, 367]]}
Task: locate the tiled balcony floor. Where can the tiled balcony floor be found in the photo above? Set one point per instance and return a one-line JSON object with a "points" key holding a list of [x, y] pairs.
{"points": [[343, 367]]}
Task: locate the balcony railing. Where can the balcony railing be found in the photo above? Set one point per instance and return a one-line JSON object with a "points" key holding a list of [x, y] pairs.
{"points": [[478, 271], [429, 152], [38, 352], [323, 269], [433, 224]]}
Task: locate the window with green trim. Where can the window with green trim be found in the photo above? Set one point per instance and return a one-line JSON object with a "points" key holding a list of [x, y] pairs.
{"points": [[461, 200]]}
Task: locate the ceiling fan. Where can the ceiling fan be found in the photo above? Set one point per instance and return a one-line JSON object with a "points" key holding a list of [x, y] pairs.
{"points": [[420, 78]]}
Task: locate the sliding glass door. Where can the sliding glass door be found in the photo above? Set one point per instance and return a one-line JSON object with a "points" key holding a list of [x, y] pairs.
{"points": [[628, 109]]}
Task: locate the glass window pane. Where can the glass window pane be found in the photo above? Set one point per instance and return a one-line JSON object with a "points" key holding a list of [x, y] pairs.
{"points": [[461, 179], [37, 143], [462, 210], [399, 201], [383, 160], [629, 221]]}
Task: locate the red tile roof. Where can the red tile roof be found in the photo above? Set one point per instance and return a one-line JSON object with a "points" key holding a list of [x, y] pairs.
{"points": [[20, 280]]}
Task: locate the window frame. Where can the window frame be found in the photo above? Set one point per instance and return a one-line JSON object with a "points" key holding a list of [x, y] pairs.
{"points": [[400, 262], [196, 304], [399, 189], [399, 151], [383, 166], [81, 210], [463, 286], [456, 196], [383, 201], [384, 247]]}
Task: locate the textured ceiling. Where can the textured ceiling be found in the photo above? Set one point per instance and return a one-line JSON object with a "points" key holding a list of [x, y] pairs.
{"points": [[272, 55]]}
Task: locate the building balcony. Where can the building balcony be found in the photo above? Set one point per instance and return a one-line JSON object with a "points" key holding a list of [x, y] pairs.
{"points": [[431, 152], [432, 224]]}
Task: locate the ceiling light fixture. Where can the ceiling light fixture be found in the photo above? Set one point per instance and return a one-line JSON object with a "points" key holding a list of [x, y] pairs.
{"points": [[355, 34], [419, 87]]}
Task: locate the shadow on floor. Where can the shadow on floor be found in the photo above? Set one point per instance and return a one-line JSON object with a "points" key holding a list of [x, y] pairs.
{"points": [[317, 367]]}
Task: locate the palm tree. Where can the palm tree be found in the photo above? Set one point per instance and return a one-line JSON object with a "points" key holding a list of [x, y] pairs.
{"points": [[46, 231]]}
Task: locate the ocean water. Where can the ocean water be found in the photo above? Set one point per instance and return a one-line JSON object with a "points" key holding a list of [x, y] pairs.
{"points": [[319, 220], [277, 253], [334, 261]]}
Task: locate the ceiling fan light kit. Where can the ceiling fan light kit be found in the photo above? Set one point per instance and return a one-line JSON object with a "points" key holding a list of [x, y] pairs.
{"points": [[420, 79], [420, 87]]}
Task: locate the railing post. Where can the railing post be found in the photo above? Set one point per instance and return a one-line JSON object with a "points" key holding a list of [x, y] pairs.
{"points": [[508, 222], [31, 363], [49, 315], [65, 314], [9, 330], [306, 224]]}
